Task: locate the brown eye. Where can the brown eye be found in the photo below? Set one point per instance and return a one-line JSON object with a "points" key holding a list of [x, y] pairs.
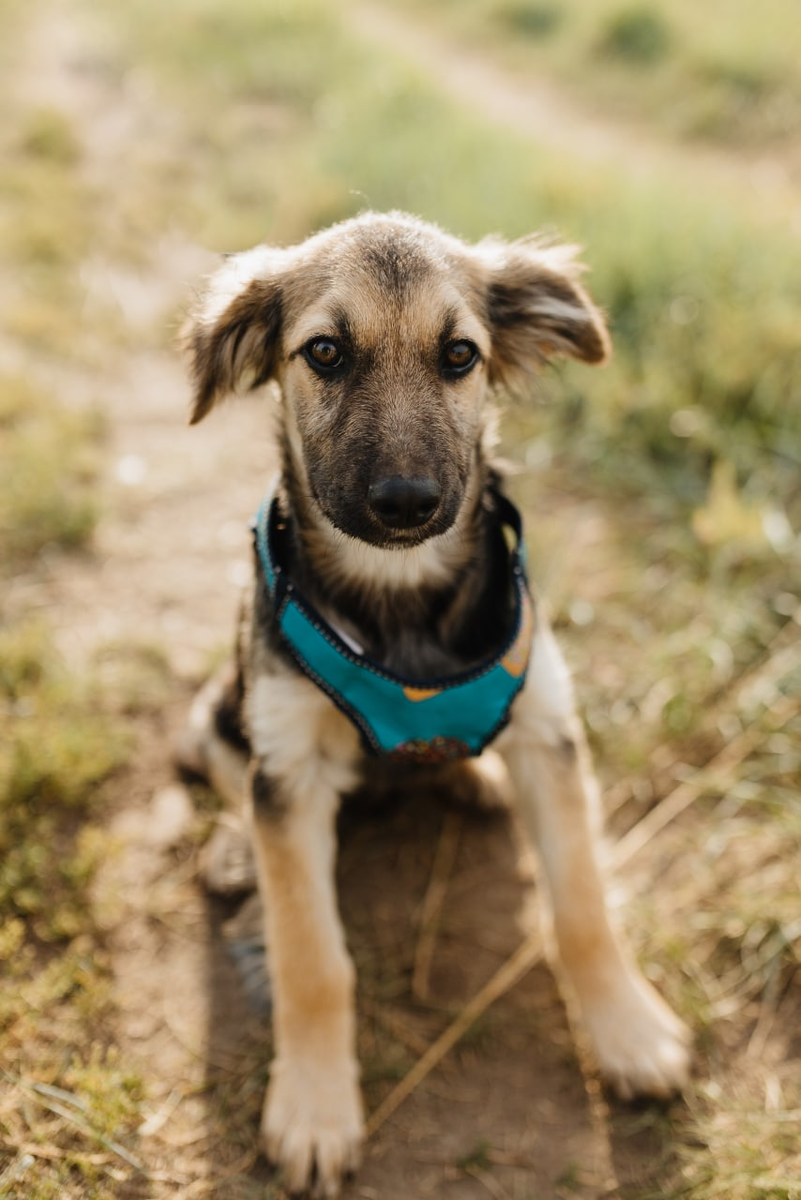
{"points": [[324, 354], [459, 357]]}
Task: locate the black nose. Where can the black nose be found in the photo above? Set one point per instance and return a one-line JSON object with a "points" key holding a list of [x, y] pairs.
{"points": [[404, 503]]}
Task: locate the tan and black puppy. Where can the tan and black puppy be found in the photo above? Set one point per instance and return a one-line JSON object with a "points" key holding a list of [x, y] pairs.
{"points": [[387, 338]]}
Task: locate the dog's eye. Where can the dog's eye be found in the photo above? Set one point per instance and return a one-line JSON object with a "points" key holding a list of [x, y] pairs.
{"points": [[459, 357], [323, 354]]}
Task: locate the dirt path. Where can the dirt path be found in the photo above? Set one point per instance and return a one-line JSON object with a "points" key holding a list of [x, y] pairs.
{"points": [[538, 109], [511, 1113]]}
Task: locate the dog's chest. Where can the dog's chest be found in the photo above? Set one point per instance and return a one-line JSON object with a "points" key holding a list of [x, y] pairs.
{"points": [[419, 657], [430, 634], [416, 651]]}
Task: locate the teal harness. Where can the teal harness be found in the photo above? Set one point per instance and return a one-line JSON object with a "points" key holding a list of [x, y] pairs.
{"points": [[411, 720]]}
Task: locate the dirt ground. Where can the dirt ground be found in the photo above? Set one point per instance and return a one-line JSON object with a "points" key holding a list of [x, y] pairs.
{"points": [[512, 1112]]}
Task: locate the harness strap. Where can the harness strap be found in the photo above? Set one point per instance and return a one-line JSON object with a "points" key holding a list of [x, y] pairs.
{"points": [[410, 720]]}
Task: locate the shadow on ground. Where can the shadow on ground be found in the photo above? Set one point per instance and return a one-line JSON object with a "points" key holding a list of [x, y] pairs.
{"points": [[510, 1112]]}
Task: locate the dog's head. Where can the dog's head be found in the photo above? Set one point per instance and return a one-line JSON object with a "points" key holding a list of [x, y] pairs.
{"points": [[385, 336]]}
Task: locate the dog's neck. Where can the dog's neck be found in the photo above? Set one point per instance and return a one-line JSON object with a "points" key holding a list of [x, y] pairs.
{"points": [[421, 610]]}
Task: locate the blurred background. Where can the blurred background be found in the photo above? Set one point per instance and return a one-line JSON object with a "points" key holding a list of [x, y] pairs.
{"points": [[663, 504]]}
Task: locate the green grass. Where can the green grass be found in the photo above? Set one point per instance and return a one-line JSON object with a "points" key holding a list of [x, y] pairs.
{"points": [[55, 1010], [64, 1094], [58, 743], [724, 73], [636, 36], [49, 769], [49, 457], [46, 228]]}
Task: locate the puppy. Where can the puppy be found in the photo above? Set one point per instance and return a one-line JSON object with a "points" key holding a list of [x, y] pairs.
{"points": [[390, 621]]}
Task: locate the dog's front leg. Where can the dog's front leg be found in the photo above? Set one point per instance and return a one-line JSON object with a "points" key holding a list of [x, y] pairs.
{"points": [[304, 755], [640, 1045]]}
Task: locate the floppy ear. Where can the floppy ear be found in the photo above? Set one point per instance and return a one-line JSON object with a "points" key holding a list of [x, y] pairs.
{"points": [[537, 308], [231, 340]]}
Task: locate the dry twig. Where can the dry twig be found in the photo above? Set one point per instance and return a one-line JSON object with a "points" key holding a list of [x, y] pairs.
{"points": [[527, 954], [432, 904], [56, 1100], [732, 755], [495, 1189], [780, 657]]}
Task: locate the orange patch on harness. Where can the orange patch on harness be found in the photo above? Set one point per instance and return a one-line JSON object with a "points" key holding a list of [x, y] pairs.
{"points": [[515, 660], [416, 694]]}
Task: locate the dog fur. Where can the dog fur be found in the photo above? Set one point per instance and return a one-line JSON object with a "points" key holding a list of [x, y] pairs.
{"points": [[387, 339]]}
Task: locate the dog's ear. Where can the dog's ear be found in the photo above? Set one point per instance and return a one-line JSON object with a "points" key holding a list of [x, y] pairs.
{"points": [[231, 340], [537, 308]]}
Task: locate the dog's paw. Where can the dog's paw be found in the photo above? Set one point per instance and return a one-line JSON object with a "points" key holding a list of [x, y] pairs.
{"points": [[227, 861], [642, 1047], [312, 1126]]}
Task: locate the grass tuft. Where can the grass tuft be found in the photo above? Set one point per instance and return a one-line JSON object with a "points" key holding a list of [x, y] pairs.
{"points": [[476, 1159], [49, 135], [638, 35], [49, 771], [49, 462], [69, 1092], [732, 80], [531, 20]]}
